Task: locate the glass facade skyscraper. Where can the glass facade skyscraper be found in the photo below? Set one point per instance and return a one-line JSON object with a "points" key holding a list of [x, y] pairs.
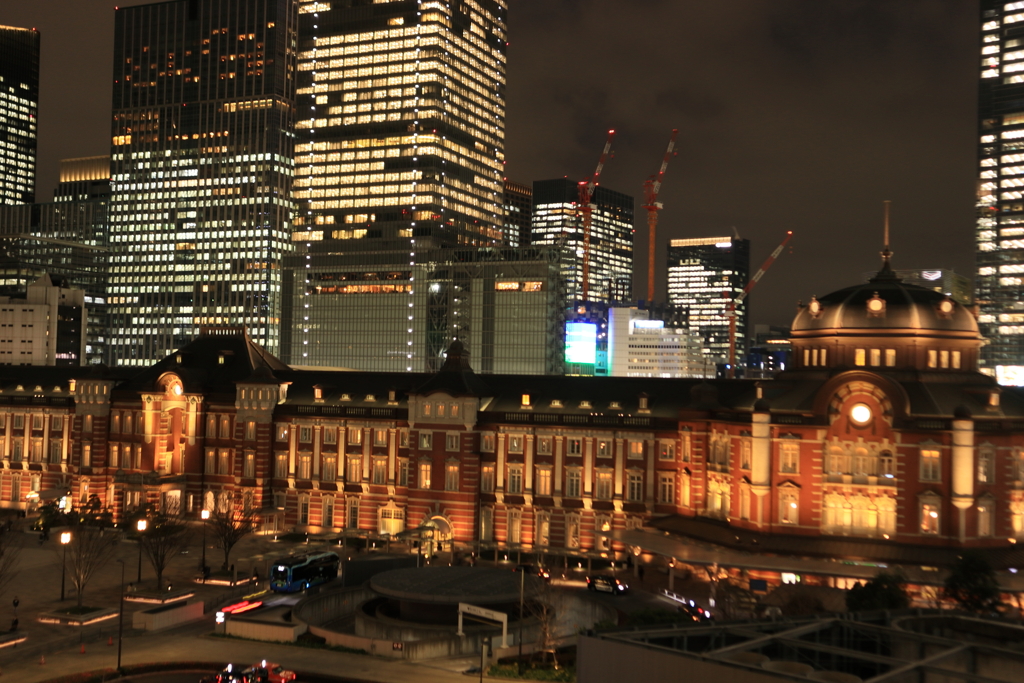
{"points": [[999, 233], [556, 220], [704, 276], [202, 168], [19, 104], [401, 137]]}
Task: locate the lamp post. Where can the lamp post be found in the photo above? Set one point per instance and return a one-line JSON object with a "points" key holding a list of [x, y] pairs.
{"points": [[141, 526], [65, 538], [205, 515], [120, 618]]}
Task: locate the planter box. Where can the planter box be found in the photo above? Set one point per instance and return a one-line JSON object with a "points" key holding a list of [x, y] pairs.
{"points": [[77, 619], [165, 616]]}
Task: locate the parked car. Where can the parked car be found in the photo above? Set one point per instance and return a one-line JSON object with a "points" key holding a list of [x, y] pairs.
{"points": [[606, 584], [531, 570], [268, 672]]}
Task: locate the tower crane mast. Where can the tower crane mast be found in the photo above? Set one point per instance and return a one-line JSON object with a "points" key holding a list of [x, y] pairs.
{"points": [[586, 195], [652, 186], [731, 311]]}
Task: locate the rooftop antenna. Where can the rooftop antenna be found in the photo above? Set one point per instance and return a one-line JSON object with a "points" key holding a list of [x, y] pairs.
{"points": [[886, 252]]}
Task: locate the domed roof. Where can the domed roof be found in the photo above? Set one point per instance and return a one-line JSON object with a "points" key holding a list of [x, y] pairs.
{"points": [[885, 303]]}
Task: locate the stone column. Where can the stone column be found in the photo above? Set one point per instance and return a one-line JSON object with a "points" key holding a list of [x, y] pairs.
{"points": [[963, 466], [761, 456]]}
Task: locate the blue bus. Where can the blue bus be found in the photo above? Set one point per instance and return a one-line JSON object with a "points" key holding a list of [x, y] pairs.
{"points": [[297, 573]]}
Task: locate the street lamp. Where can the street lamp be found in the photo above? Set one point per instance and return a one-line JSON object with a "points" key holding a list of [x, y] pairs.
{"points": [[141, 526], [205, 515], [65, 538], [120, 618]]}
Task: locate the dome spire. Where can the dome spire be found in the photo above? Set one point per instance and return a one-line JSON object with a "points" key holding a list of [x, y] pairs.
{"points": [[886, 272]]}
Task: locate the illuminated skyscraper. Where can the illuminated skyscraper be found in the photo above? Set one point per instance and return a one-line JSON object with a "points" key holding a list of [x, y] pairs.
{"points": [[19, 102], [999, 234], [401, 132], [401, 122], [518, 213], [704, 276], [202, 171], [557, 221]]}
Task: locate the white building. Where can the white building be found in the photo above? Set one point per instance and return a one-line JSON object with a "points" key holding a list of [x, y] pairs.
{"points": [[44, 327], [641, 347]]}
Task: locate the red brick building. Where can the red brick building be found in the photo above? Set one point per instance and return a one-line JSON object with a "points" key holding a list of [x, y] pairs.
{"points": [[883, 430]]}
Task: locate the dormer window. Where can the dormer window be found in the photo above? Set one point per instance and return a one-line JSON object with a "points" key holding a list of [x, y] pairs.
{"points": [[220, 359], [585, 405], [614, 405], [525, 401], [814, 308], [391, 397], [556, 403], [370, 398], [318, 393], [644, 402], [346, 397]]}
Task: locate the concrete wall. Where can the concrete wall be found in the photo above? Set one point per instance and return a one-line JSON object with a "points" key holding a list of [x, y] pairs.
{"points": [[166, 616], [608, 661]]}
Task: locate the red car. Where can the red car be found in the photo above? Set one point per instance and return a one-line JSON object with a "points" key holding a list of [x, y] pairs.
{"points": [[268, 672]]}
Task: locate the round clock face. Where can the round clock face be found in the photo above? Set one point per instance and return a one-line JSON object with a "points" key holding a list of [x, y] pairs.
{"points": [[860, 414], [946, 306], [875, 305]]}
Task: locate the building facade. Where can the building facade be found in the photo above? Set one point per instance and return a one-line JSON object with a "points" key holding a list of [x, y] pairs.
{"points": [[557, 221], [518, 205], [44, 326], [379, 311], [882, 433], [641, 345], [999, 252], [402, 124], [68, 239], [19, 112], [942, 280], [202, 169], [705, 275]]}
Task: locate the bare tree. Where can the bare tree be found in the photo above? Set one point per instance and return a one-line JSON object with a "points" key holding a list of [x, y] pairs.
{"points": [[230, 527], [89, 551], [10, 551], [546, 605], [164, 538]]}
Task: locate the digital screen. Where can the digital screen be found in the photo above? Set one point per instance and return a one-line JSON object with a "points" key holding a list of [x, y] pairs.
{"points": [[581, 343], [1010, 375], [649, 324]]}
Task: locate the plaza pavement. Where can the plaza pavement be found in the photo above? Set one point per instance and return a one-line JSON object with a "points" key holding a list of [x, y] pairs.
{"points": [[37, 587]]}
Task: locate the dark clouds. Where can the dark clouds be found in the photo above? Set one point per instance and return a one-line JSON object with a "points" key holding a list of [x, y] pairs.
{"points": [[793, 114]]}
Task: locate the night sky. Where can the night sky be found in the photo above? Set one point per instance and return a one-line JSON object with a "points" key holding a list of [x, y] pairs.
{"points": [[798, 115]]}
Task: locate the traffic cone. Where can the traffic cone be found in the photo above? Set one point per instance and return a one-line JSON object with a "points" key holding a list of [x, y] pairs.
{"points": [[110, 640], [42, 660], [82, 651]]}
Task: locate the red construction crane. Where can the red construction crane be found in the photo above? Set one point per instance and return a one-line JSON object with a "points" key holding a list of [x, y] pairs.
{"points": [[586, 194], [731, 310], [652, 186]]}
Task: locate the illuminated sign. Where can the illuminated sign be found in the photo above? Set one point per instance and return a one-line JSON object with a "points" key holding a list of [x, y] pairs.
{"points": [[1010, 375], [931, 274], [723, 245], [581, 343], [649, 324]]}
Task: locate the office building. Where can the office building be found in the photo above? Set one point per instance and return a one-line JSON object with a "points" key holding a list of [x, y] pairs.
{"points": [[949, 282], [202, 170], [642, 345], [67, 239], [355, 309], [43, 326], [401, 123], [558, 221], [999, 249], [705, 275], [518, 211], [19, 106]]}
